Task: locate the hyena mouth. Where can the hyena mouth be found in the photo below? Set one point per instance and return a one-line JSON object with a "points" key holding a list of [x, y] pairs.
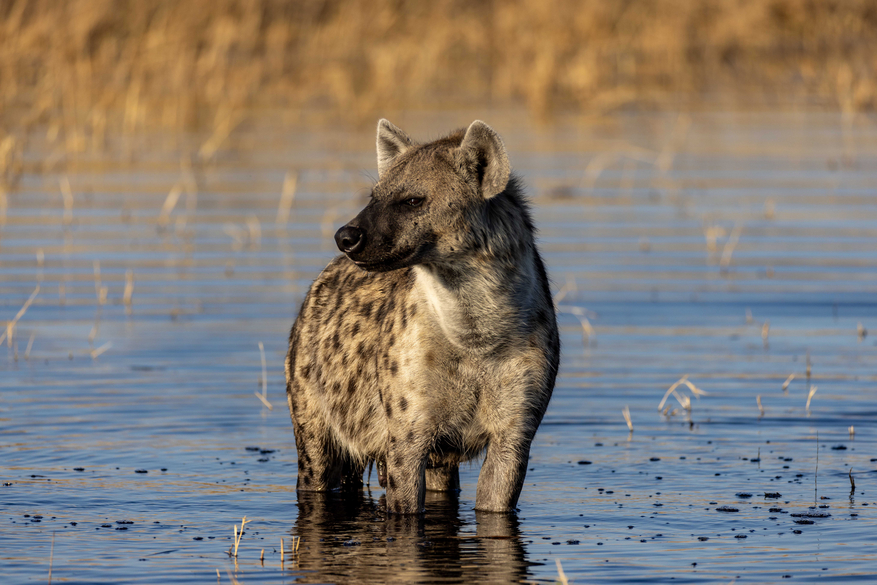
{"points": [[393, 262]]}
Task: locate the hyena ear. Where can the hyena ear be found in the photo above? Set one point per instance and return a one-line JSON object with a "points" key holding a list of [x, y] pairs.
{"points": [[482, 155], [392, 142]]}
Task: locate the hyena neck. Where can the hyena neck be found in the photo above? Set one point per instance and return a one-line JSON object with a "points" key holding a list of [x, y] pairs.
{"points": [[476, 306]]}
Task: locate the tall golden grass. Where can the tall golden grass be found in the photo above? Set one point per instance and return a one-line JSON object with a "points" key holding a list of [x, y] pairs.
{"points": [[84, 65]]}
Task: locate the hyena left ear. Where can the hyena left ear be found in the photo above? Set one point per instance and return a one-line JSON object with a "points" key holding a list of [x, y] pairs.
{"points": [[392, 142], [482, 154]]}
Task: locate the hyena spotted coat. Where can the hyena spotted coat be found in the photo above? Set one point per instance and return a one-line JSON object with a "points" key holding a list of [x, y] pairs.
{"points": [[433, 339]]}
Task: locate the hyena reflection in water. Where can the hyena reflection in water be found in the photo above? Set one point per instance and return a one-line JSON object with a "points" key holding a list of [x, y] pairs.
{"points": [[438, 546], [433, 339]]}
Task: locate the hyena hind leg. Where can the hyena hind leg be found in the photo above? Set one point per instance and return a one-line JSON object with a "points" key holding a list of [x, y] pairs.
{"points": [[443, 479]]}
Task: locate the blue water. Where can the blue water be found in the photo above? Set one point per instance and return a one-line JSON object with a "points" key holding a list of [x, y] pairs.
{"points": [[173, 395]]}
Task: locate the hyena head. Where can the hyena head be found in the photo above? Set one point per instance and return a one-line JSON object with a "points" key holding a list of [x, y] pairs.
{"points": [[427, 198]]}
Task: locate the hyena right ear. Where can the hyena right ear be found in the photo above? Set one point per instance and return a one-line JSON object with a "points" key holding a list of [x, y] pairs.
{"points": [[482, 155], [392, 142]]}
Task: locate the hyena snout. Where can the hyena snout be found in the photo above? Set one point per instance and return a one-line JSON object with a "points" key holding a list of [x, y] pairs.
{"points": [[350, 239]]}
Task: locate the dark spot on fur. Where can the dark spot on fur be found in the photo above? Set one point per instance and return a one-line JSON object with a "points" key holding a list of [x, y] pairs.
{"points": [[392, 440], [351, 385], [410, 436], [362, 350], [336, 342], [388, 409], [429, 358], [391, 341], [336, 387], [394, 368], [398, 461], [403, 403], [306, 371], [392, 481], [367, 310], [383, 311], [355, 329]]}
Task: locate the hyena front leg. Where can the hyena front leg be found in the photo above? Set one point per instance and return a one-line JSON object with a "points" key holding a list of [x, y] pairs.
{"points": [[320, 466], [443, 479], [503, 471]]}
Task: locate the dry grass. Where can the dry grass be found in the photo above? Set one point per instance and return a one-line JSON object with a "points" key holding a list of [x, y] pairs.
{"points": [[561, 576], [625, 412], [684, 401], [809, 398], [263, 380], [238, 535], [10, 326], [83, 67]]}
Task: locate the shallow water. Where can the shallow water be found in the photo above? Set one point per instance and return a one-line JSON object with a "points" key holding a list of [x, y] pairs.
{"points": [[154, 429]]}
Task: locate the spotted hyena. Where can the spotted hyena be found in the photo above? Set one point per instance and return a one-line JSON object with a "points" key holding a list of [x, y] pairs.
{"points": [[433, 338]]}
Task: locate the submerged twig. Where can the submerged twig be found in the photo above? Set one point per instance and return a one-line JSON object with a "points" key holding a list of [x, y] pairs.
{"points": [[129, 290], [287, 195], [264, 395], [810, 397], [684, 401], [67, 194], [96, 352], [10, 327], [238, 535], [816, 472], [728, 250], [560, 574], [626, 413]]}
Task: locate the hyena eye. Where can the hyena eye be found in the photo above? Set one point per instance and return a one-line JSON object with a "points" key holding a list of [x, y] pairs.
{"points": [[414, 201]]}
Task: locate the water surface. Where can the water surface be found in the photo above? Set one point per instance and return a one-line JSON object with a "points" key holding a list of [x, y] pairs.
{"points": [[734, 249]]}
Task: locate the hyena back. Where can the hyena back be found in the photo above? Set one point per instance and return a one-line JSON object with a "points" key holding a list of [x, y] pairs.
{"points": [[433, 339]]}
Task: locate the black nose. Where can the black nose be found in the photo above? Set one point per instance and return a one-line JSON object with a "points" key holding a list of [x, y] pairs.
{"points": [[350, 239]]}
